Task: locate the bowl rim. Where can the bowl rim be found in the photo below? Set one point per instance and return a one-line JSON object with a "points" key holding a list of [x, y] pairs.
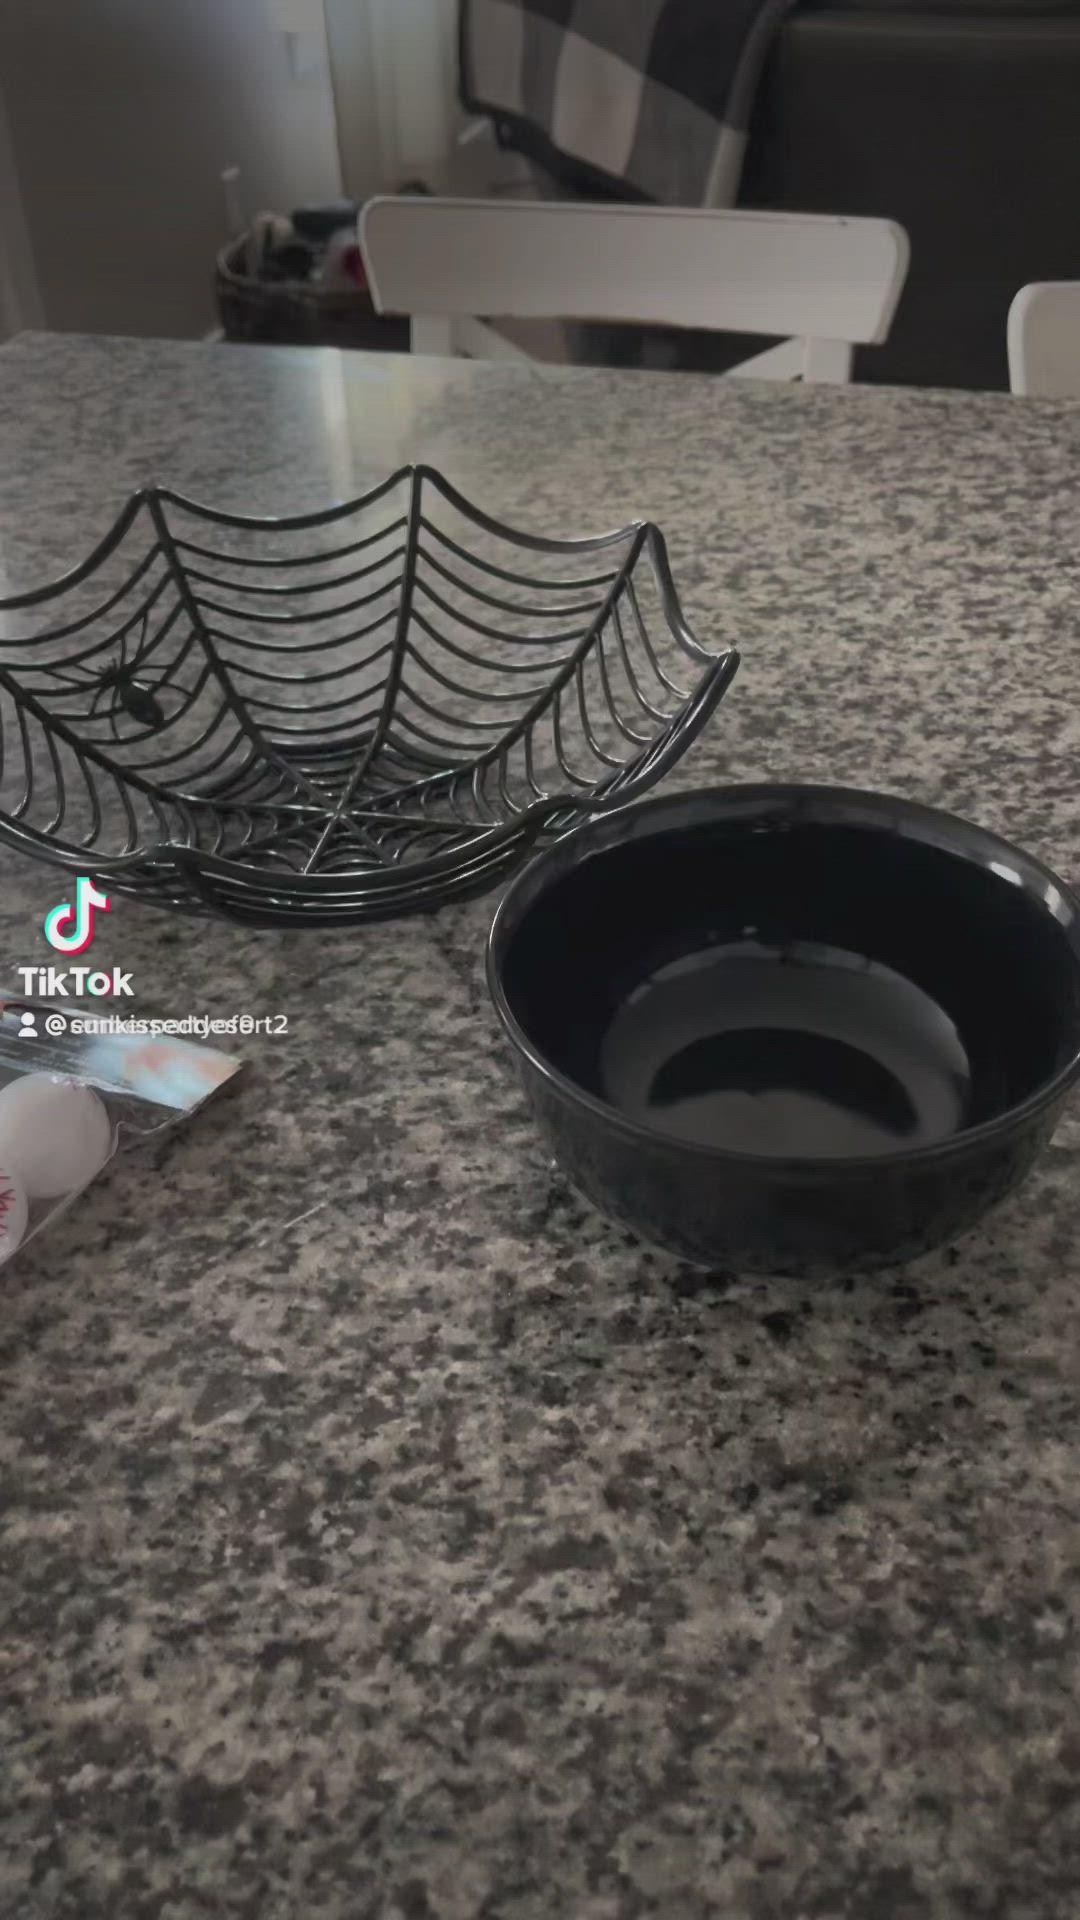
{"points": [[602, 832]]}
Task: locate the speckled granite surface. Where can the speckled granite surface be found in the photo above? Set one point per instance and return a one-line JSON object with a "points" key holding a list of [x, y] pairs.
{"points": [[385, 1536]]}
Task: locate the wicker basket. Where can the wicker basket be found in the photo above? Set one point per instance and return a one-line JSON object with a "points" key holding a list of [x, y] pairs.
{"points": [[291, 313]]}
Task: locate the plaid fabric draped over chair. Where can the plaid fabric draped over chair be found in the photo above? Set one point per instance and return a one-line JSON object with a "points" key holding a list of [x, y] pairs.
{"points": [[651, 97]]}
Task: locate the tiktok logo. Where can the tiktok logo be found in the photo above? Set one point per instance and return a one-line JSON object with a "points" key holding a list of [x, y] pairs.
{"points": [[70, 929]]}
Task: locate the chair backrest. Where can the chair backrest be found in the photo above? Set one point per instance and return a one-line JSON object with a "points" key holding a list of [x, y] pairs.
{"points": [[1044, 339], [830, 281]]}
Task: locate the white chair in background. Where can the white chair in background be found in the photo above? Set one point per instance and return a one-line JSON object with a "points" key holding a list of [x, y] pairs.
{"points": [[1044, 340], [832, 283]]}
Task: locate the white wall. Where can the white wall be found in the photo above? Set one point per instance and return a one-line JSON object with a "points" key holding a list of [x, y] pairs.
{"points": [[394, 65], [121, 116]]}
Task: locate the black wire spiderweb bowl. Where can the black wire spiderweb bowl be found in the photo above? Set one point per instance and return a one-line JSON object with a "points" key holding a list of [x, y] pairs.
{"points": [[343, 716]]}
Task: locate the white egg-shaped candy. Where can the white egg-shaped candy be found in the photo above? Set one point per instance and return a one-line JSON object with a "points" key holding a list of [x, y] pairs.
{"points": [[56, 1133], [13, 1211]]}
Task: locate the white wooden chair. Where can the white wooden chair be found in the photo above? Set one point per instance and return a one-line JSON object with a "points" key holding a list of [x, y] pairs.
{"points": [[1044, 340], [832, 283]]}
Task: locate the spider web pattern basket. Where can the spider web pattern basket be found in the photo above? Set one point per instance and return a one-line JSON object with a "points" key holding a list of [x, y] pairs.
{"points": [[342, 716]]}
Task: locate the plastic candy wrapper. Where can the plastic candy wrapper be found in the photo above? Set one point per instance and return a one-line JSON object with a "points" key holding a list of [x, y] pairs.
{"points": [[71, 1101]]}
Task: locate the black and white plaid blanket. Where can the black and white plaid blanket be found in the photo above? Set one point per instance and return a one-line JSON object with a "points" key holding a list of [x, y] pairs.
{"points": [[650, 96]]}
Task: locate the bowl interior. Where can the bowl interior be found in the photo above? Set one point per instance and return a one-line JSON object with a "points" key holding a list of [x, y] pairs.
{"points": [[797, 983]]}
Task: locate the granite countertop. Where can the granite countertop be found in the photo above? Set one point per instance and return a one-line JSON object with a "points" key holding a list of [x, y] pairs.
{"points": [[385, 1536]]}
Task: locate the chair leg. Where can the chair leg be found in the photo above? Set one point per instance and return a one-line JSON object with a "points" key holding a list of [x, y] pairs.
{"points": [[785, 362], [827, 362], [431, 333], [481, 342]]}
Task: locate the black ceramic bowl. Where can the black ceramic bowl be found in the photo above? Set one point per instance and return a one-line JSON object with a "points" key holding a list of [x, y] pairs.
{"points": [[791, 1029]]}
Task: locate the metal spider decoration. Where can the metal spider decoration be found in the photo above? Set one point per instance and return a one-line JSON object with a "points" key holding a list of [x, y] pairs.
{"points": [[134, 697]]}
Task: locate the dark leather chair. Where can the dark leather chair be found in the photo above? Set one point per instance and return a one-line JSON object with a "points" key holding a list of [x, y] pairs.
{"points": [[964, 125]]}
